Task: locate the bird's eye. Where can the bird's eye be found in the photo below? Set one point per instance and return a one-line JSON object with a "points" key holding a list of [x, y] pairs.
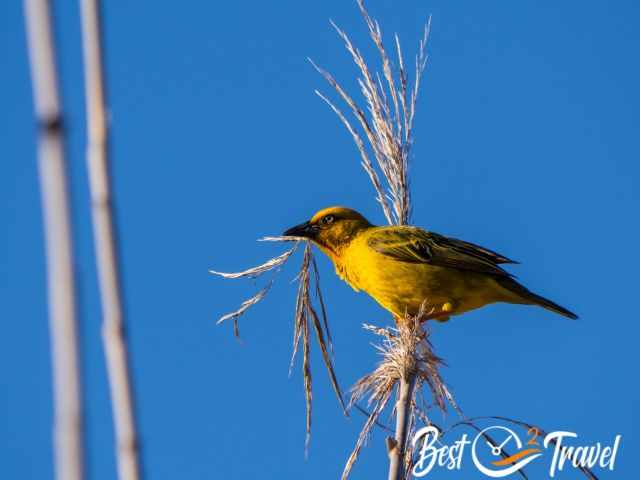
{"points": [[327, 220]]}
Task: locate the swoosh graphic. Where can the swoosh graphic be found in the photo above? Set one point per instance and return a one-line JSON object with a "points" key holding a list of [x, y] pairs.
{"points": [[515, 457]]}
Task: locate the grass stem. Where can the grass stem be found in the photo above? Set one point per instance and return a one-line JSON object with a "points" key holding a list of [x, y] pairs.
{"points": [[67, 406], [104, 233]]}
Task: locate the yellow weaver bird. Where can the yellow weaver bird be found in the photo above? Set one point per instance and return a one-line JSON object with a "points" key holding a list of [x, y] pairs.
{"points": [[406, 269]]}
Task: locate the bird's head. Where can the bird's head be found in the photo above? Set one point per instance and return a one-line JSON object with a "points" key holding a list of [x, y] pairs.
{"points": [[331, 229]]}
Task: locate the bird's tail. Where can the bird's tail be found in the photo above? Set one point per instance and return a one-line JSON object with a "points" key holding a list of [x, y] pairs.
{"points": [[528, 297]]}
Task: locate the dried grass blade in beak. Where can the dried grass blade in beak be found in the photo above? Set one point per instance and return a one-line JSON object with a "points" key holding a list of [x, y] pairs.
{"points": [[318, 328], [305, 312], [300, 317], [323, 310], [327, 359], [274, 263], [260, 269], [301, 332], [308, 389]]}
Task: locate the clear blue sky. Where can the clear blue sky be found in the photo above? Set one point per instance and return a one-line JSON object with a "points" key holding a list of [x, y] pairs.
{"points": [[526, 142]]}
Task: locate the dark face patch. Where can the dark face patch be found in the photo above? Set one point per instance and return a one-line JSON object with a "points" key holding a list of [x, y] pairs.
{"points": [[339, 233], [332, 228]]}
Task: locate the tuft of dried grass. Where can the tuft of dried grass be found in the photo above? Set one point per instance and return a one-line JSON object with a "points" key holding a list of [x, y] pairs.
{"points": [[408, 363], [306, 317]]}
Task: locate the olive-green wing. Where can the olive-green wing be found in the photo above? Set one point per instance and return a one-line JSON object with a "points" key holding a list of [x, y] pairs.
{"points": [[414, 245]]}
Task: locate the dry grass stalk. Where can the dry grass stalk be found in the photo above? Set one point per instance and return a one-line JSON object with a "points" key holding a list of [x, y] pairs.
{"points": [[407, 364], [388, 127], [106, 247], [408, 360], [306, 317], [68, 451]]}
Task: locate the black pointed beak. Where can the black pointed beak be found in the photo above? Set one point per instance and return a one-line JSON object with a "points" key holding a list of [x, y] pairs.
{"points": [[306, 230]]}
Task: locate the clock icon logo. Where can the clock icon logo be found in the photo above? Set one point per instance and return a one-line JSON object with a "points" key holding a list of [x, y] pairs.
{"points": [[494, 441]]}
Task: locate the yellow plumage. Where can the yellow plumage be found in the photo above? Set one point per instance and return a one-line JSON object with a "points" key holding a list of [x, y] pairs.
{"points": [[408, 270], [402, 287]]}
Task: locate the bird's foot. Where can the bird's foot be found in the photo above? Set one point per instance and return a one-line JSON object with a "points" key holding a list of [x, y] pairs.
{"points": [[441, 313]]}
